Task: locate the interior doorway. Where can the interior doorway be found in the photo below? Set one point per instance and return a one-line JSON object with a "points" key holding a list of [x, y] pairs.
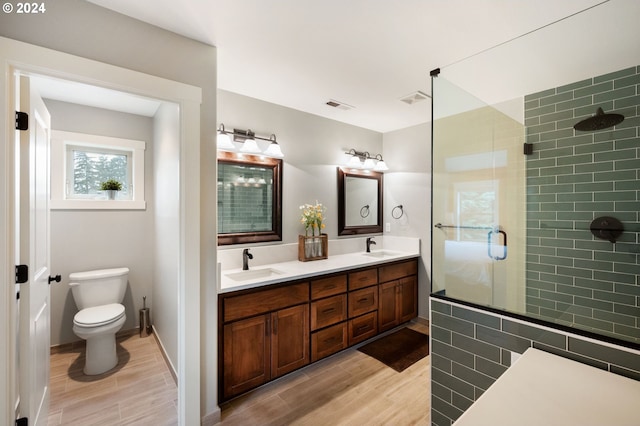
{"points": [[43, 62]]}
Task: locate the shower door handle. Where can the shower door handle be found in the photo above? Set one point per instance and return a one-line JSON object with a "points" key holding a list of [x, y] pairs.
{"points": [[504, 236]]}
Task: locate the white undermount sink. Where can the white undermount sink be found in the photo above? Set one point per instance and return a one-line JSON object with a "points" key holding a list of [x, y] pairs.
{"points": [[253, 274], [381, 253]]}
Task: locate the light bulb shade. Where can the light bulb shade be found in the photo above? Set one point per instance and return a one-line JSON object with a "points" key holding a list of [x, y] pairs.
{"points": [[369, 164], [355, 162], [274, 151], [250, 146], [224, 143], [381, 166]]}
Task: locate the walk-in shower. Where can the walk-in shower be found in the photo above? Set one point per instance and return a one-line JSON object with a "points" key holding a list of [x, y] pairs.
{"points": [[536, 200]]}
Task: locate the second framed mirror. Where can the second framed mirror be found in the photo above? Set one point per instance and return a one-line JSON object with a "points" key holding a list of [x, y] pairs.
{"points": [[359, 202]]}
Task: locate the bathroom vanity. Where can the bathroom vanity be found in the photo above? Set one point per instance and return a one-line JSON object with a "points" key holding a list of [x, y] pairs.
{"points": [[279, 320]]}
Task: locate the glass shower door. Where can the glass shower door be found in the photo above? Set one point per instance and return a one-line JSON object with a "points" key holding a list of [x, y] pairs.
{"points": [[478, 200]]}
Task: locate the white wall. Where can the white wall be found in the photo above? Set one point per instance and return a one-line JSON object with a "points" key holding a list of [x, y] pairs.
{"points": [[83, 240], [407, 152], [166, 163], [313, 147]]}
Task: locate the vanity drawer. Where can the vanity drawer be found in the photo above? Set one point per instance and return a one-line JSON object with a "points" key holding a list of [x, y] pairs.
{"points": [[363, 327], [363, 279], [328, 311], [398, 270], [328, 286], [262, 301], [328, 341], [363, 301]]}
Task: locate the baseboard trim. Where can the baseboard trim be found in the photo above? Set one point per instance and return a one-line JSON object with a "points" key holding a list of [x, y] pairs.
{"points": [[172, 369]]}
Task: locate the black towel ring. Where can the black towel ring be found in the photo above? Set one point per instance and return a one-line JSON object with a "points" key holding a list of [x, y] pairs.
{"points": [[364, 211], [394, 214]]}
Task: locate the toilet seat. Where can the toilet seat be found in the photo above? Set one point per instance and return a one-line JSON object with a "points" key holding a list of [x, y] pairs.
{"points": [[99, 315]]}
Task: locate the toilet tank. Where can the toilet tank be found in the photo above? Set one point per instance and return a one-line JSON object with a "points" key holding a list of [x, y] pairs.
{"points": [[99, 287]]}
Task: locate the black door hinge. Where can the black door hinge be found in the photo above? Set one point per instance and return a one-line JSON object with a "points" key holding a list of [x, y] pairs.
{"points": [[22, 274], [22, 422], [22, 120]]}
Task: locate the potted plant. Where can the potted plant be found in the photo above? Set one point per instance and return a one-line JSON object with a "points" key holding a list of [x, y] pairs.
{"points": [[111, 186]]}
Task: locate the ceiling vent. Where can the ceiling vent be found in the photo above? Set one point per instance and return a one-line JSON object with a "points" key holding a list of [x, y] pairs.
{"points": [[415, 97], [340, 105]]}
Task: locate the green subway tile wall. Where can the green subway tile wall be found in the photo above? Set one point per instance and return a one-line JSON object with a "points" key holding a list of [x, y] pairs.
{"points": [[470, 349], [572, 178]]}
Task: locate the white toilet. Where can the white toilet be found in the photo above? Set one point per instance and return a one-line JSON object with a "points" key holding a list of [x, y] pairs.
{"points": [[98, 295]]}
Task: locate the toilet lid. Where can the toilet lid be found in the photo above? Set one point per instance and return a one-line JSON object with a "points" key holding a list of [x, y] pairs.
{"points": [[99, 315]]}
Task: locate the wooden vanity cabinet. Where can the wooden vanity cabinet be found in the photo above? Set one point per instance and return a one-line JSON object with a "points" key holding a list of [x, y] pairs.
{"points": [[398, 295], [267, 332], [271, 341]]}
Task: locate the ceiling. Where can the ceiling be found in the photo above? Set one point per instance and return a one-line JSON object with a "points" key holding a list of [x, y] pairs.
{"points": [[367, 54]]}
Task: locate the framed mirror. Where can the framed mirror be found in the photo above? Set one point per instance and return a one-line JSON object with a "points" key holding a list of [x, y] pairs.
{"points": [[359, 202], [249, 199]]}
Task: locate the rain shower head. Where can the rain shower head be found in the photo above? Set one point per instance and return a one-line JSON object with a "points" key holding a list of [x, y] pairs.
{"points": [[599, 121]]}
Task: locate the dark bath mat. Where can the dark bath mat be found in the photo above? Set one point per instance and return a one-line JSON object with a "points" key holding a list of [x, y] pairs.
{"points": [[400, 349]]}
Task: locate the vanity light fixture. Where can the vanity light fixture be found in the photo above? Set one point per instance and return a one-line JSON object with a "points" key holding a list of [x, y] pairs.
{"points": [[366, 161], [248, 140]]}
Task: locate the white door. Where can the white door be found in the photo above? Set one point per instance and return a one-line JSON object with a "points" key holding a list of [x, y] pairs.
{"points": [[34, 336]]}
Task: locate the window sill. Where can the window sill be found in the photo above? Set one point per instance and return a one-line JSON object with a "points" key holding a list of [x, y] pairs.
{"points": [[97, 205]]}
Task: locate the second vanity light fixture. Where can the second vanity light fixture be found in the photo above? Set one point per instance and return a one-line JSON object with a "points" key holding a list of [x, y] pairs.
{"points": [[249, 144], [366, 161]]}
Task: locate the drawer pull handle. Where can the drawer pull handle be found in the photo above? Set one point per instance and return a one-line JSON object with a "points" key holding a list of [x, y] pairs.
{"points": [[329, 287], [363, 328], [363, 279], [364, 299], [326, 311]]}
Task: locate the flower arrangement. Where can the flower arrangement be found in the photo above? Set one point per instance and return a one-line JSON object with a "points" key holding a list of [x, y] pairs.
{"points": [[312, 217]]}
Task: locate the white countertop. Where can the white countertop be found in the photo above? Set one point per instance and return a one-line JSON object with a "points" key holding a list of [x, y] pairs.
{"points": [[545, 389], [266, 274]]}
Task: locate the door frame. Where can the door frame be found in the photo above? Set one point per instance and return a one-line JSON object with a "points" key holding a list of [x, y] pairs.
{"points": [[27, 58]]}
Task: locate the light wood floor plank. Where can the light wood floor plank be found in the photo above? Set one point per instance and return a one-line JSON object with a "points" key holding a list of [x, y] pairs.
{"points": [[349, 388]]}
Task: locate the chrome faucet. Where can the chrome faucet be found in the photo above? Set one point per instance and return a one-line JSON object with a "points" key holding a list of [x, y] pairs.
{"points": [[370, 241], [245, 259]]}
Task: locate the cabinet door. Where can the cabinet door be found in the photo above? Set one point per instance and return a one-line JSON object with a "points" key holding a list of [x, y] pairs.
{"points": [[246, 354], [387, 306], [408, 299], [290, 339]]}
